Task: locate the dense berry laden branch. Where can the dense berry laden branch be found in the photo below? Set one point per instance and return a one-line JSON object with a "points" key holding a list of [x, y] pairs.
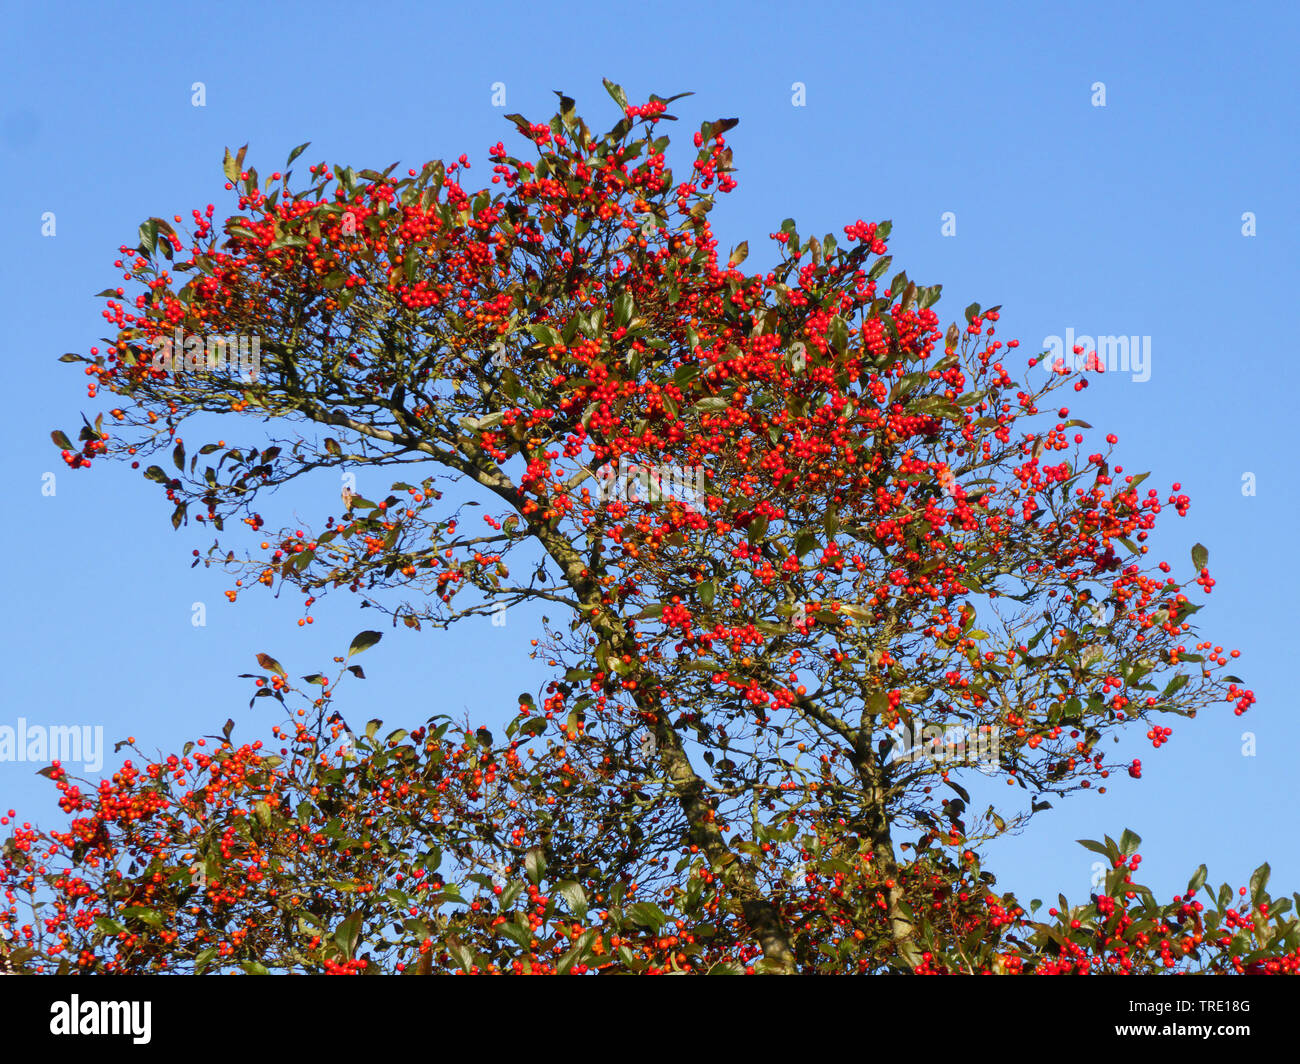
{"points": [[441, 850]]}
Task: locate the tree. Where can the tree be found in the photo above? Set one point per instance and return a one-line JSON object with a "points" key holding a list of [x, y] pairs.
{"points": [[805, 546]]}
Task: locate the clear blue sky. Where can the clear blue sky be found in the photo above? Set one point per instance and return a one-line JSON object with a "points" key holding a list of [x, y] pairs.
{"points": [[1124, 219]]}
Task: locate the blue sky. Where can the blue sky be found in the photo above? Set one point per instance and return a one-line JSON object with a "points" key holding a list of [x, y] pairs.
{"points": [[1123, 219]]}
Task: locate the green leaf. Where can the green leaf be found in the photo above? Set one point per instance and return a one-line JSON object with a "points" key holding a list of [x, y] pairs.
{"points": [[616, 92], [364, 641], [1200, 557], [1095, 847], [573, 893], [293, 155], [839, 334], [545, 334], [683, 375], [148, 916], [535, 865], [623, 307], [148, 235], [711, 404], [739, 254], [347, 933], [831, 521], [1258, 883], [928, 296], [61, 440], [512, 890], [517, 933], [647, 914]]}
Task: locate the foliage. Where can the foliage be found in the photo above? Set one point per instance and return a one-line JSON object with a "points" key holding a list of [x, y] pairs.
{"points": [[439, 850], [798, 537]]}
